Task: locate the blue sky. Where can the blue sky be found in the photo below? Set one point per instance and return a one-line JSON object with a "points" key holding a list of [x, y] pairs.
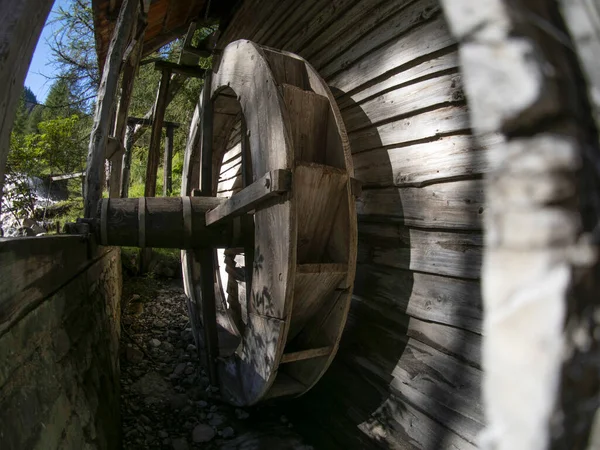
{"points": [[41, 68]]}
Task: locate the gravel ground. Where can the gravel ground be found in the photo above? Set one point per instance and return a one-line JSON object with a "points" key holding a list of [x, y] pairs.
{"points": [[166, 400]]}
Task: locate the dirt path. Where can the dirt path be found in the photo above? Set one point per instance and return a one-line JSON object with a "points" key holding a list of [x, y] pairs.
{"points": [[166, 402]]}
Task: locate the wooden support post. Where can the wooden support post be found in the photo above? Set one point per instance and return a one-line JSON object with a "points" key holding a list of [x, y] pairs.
{"points": [[207, 257], [248, 221], [168, 163], [22, 23], [209, 312], [154, 150], [129, 73], [126, 162], [104, 106]]}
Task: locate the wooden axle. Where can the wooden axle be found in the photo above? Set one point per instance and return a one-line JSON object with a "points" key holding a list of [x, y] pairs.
{"points": [[162, 222]]}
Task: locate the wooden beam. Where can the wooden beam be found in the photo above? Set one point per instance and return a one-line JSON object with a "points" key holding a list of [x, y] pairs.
{"points": [[188, 71], [168, 163], [104, 106], [271, 184], [126, 166], [153, 151], [22, 23], [148, 122], [200, 52], [306, 354]]}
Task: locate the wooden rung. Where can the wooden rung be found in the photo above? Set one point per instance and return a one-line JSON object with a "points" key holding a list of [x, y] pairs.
{"points": [[233, 251], [271, 184], [322, 268], [189, 71], [285, 385], [306, 354]]}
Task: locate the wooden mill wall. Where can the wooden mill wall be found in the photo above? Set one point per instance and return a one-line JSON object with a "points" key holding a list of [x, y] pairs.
{"points": [[408, 370]]}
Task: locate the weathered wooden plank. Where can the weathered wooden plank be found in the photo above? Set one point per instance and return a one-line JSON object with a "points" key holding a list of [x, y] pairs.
{"points": [[429, 125], [319, 189], [104, 106], [457, 204], [444, 61], [396, 28], [327, 12], [358, 22], [313, 286], [352, 396], [441, 160], [415, 46], [387, 352], [33, 268], [306, 354], [428, 297], [22, 23], [273, 183], [404, 101], [306, 111], [431, 251]]}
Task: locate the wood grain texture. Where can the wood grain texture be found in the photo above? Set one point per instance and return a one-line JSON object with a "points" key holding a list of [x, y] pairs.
{"points": [[444, 159], [428, 297], [428, 125], [459, 205], [318, 189], [438, 252], [33, 268]]}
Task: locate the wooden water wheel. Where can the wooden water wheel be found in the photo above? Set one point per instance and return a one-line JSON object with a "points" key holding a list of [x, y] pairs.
{"points": [[268, 313]]}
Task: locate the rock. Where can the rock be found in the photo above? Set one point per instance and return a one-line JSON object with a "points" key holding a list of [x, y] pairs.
{"points": [[163, 434], [152, 388], [179, 369], [178, 401], [202, 433], [133, 355], [155, 342], [135, 297], [217, 420], [202, 404], [189, 370], [191, 348], [167, 346], [180, 444], [227, 432], [241, 414]]}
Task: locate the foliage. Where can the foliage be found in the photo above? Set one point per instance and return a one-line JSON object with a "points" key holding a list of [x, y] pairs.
{"points": [[73, 48]]}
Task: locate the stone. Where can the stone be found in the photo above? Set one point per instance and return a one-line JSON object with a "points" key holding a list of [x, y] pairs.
{"points": [[163, 434], [133, 354], [227, 432], [217, 420], [202, 433], [191, 348], [180, 444], [202, 404], [241, 414], [178, 401], [153, 388], [179, 369], [155, 342]]}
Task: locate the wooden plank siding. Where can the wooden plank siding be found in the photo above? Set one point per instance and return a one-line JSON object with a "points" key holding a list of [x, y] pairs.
{"points": [[407, 374]]}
